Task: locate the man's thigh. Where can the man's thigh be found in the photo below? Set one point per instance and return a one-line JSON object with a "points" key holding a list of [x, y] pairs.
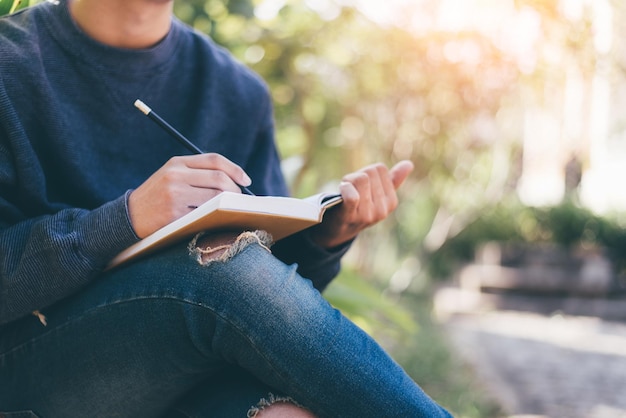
{"points": [[124, 346]]}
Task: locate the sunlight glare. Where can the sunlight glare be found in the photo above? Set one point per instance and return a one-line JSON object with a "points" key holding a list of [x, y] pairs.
{"points": [[389, 12], [513, 30], [326, 9], [484, 15], [268, 9]]}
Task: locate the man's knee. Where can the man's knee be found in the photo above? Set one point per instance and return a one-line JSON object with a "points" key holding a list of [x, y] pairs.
{"points": [[221, 247], [279, 407], [242, 264]]}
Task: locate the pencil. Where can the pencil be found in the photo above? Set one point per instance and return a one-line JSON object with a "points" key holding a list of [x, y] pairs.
{"points": [[175, 134]]}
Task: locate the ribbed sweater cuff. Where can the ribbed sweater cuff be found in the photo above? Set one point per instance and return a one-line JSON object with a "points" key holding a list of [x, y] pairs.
{"points": [[107, 230]]}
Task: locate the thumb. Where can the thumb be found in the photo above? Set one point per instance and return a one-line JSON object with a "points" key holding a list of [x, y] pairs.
{"points": [[400, 172]]}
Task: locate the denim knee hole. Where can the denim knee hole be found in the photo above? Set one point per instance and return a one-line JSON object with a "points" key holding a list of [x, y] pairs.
{"points": [[206, 255], [269, 401]]}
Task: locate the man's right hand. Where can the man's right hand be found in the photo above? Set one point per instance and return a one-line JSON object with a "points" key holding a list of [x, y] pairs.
{"points": [[181, 183]]}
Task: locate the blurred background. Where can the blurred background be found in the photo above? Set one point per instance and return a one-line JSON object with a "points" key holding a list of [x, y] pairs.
{"points": [[505, 259]]}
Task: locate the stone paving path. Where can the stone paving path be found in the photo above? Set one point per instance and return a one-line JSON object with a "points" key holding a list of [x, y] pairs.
{"points": [[546, 366]]}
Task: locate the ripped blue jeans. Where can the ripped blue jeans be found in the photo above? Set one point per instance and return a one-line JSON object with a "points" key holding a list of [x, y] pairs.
{"points": [[172, 336]]}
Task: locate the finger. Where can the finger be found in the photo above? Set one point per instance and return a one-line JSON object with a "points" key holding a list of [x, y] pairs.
{"points": [[385, 179], [349, 195], [212, 180], [198, 196], [400, 172], [214, 161], [373, 202], [380, 186], [360, 180]]}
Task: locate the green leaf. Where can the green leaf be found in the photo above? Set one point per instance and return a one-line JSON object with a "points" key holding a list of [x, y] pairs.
{"points": [[5, 6], [364, 303], [9, 6]]}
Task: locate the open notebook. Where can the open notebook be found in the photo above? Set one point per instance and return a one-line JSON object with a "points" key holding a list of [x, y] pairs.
{"points": [[280, 216]]}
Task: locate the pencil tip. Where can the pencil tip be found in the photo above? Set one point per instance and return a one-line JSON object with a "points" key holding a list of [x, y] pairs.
{"points": [[142, 106]]}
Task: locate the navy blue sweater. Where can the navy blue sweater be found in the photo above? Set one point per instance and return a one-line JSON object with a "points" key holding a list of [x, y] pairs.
{"points": [[72, 146]]}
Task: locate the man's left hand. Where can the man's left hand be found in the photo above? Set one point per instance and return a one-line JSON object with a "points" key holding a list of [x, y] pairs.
{"points": [[369, 196]]}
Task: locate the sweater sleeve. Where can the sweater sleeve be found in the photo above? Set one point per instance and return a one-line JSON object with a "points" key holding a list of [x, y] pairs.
{"points": [[48, 249], [47, 258]]}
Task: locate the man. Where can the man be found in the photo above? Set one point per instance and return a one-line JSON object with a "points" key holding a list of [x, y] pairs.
{"points": [[83, 175]]}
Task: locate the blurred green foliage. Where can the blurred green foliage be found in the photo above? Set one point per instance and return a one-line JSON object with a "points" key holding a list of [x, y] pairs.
{"points": [[9, 6], [567, 225]]}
